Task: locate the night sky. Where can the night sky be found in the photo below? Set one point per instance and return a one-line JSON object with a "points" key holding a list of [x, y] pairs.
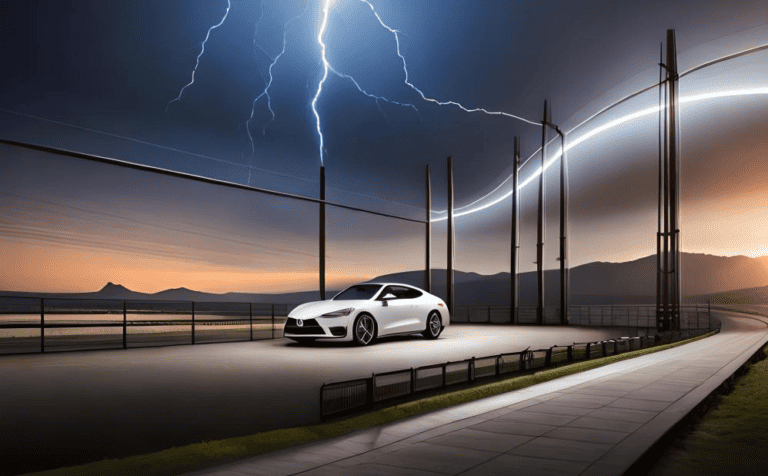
{"points": [[97, 77]]}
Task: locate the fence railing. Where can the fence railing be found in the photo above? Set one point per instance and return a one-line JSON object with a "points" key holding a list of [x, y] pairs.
{"points": [[29, 324], [361, 394], [692, 317]]}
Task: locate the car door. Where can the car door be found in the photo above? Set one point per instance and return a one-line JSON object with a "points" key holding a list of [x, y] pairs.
{"points": [[416, 311], [397, 315]]}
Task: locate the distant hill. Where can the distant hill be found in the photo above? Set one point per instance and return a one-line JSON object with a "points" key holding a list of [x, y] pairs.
{"points": [[116, 291], [757, 295], [634, 282]]}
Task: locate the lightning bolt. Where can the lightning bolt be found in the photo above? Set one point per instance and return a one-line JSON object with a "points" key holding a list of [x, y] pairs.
{"points": [[326, 67], [396, 34], [202, 50], [265, 92], [372, 96], [256, 46]]}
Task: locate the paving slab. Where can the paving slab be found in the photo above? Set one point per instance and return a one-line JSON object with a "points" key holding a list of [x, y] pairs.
{"points": [[517, 464], [595, 422]]}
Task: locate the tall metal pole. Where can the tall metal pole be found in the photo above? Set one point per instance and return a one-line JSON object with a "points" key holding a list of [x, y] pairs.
{"points": [[515, 241], [674, 180], [564, 282], [540, 223], [665, 245], [668, 302], [660, 226], [450, 241], [322, 233], [428, 252]]}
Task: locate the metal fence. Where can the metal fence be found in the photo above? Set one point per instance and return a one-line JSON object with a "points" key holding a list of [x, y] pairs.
{"points": [[641, 317], [354, 395], [30, 324], [503, 315]]}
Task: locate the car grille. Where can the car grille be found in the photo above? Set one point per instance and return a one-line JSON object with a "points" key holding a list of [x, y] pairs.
{"points": [[310, 327]]}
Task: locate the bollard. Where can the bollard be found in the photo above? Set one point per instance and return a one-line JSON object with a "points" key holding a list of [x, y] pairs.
{"points": [[125, 326], [42, 325]]}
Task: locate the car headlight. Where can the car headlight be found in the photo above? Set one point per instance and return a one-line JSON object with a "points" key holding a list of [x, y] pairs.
{"points": [[339, 313]]}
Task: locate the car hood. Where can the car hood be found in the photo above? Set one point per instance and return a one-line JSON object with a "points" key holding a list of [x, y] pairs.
{"points": [[318, 308]]}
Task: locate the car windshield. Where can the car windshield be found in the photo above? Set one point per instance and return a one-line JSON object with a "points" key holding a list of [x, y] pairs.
{"points": [[360, 291]]}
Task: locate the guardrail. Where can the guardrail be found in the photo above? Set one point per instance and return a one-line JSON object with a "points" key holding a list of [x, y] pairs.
{"points": [[341, 398], [29, 324]]}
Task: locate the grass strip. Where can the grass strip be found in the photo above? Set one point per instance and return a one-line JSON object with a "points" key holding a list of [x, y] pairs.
{"points": [[729, 438], [197, 456]]}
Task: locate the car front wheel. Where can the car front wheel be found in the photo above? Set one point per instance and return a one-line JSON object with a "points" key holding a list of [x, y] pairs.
{"points": [[434, 325], [365, 329]]}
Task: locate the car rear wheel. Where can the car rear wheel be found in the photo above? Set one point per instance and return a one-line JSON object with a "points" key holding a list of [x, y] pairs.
{"points": [[434, 325], [365, 329]]}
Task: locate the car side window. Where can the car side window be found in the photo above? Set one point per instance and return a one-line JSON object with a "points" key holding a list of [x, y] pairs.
{"points": [[411, 293], [396, 290], [401, 292]]}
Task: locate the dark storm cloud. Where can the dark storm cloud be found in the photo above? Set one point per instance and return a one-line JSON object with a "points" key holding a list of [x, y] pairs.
{"points": [[113, 67]]}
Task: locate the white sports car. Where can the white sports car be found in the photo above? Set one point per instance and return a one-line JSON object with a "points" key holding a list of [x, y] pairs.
{"points": [[366, 311]]}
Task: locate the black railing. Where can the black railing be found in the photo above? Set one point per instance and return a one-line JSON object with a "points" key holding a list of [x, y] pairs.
{"points": [[641, 317], [30, 324], [341, 398]]}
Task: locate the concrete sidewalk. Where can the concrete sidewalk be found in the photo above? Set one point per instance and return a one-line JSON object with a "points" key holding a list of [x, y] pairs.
{"points": [[596, 422]]}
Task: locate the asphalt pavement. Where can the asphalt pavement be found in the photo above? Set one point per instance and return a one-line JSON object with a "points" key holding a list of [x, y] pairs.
{"points": [[595, 422], [60, 409]]}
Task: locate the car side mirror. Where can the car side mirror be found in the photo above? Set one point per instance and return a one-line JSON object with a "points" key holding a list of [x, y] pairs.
{"points": [[386, 298]]}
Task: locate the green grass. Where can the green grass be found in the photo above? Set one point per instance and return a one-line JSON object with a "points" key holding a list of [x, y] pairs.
{"points": [[731, 439], [197, 456]]}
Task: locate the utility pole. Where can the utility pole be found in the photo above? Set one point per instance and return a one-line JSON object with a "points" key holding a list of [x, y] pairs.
{"points": [[540, 226], [514, 294], [428, 249], [564, 278], [450, 240], [322, 233]]}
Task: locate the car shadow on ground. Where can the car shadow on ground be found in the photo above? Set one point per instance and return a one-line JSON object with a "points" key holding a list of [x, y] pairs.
{"points": [[337, 344]]}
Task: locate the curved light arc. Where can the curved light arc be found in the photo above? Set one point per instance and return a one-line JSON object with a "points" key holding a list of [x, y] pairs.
{"points": [[592, 133]]}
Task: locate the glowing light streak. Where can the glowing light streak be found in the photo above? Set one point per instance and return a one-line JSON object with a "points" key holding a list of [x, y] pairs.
{"points": [[589, 135], [435, 101], [320, 34], [202, 50]]}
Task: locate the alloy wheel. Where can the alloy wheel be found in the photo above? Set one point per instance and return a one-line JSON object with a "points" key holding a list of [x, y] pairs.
{"points": [[364, 329], [434, 326]]}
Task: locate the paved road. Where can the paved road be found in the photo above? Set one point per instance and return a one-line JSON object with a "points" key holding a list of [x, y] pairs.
{"points": [[596, 422], [63, 408]]}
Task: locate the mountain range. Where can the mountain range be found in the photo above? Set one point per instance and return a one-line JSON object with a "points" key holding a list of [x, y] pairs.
{"points": [[722, 279]]}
